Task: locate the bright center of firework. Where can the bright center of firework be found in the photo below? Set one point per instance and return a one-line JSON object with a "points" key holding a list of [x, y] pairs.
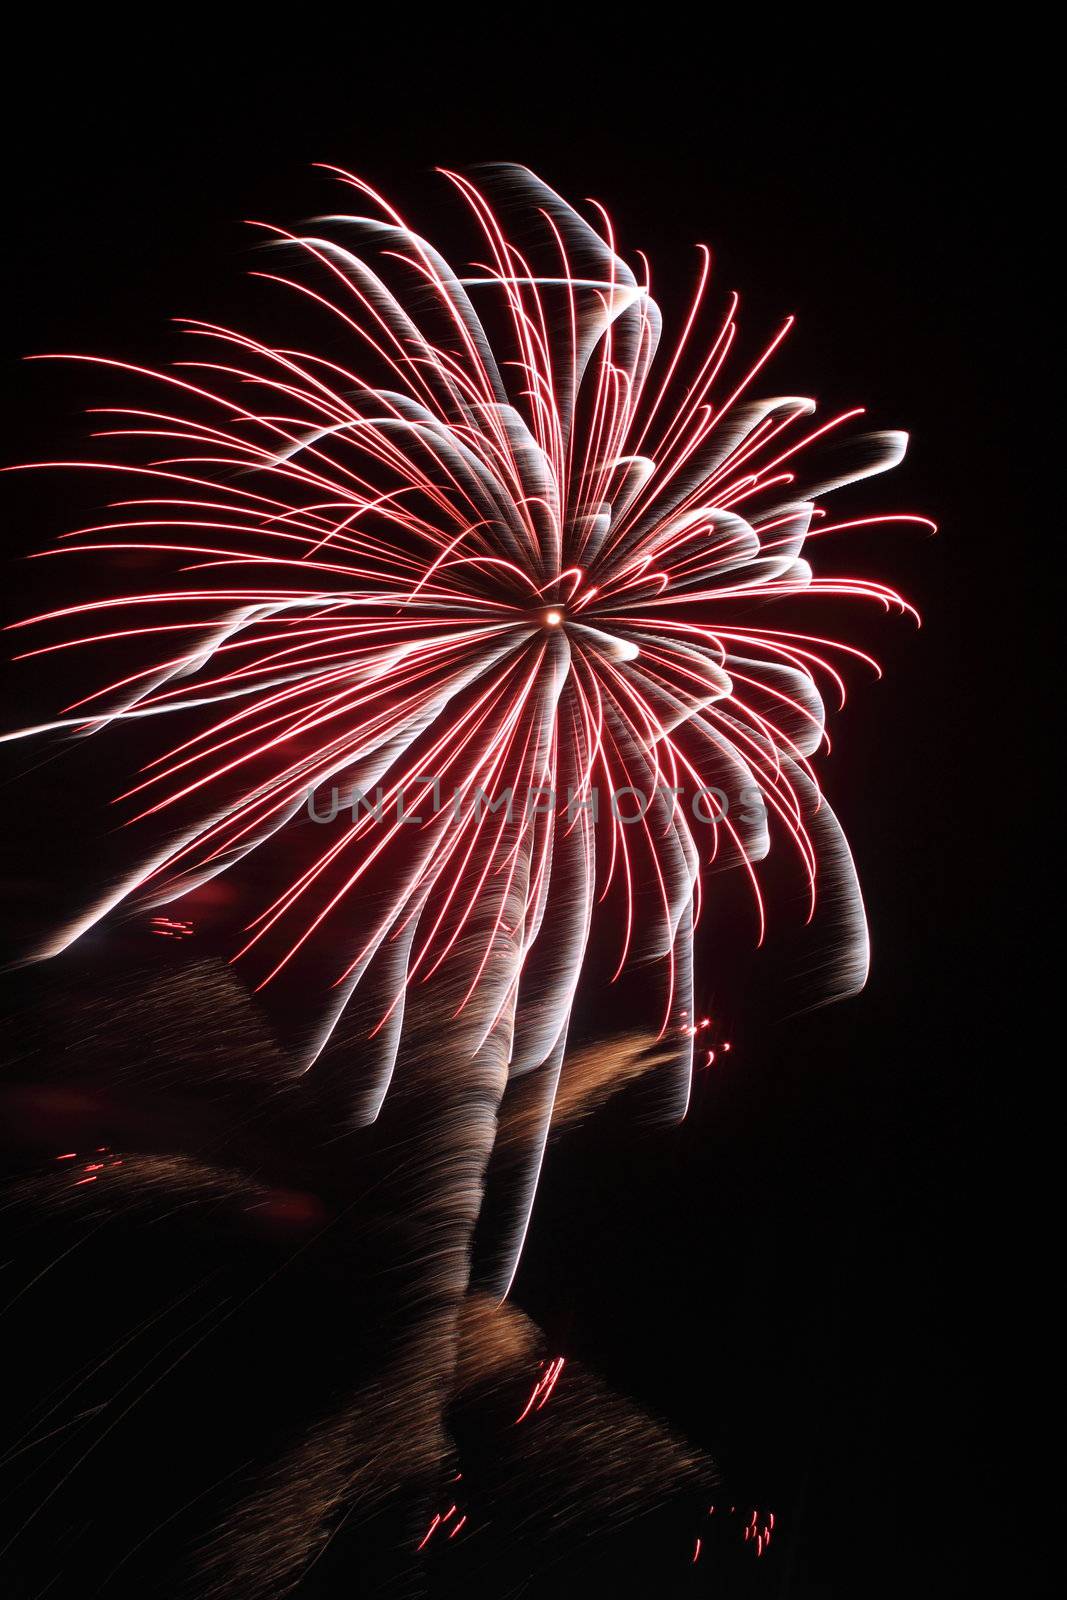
{"points": [[553, 618]]}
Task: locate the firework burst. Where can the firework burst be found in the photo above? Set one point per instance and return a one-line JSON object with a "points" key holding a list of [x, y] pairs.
{"points": [[489, 558]]}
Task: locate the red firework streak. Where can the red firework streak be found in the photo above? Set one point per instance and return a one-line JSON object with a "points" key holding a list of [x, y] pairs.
{"points": [[542, 1389], [756, 1533], [486, 539]]}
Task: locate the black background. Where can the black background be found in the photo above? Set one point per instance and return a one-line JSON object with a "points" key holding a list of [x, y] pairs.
{"points": [[805, 1278]]}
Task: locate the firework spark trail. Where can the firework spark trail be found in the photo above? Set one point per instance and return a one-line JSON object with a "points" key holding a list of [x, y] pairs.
{"points": [[492, 544]]}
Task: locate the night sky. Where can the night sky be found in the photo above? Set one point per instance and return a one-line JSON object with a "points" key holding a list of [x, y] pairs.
{"points": [[802, 1279]]}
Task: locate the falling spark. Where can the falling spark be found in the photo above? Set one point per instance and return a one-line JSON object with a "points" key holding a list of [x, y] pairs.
{"points": [[542, 1389]]}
